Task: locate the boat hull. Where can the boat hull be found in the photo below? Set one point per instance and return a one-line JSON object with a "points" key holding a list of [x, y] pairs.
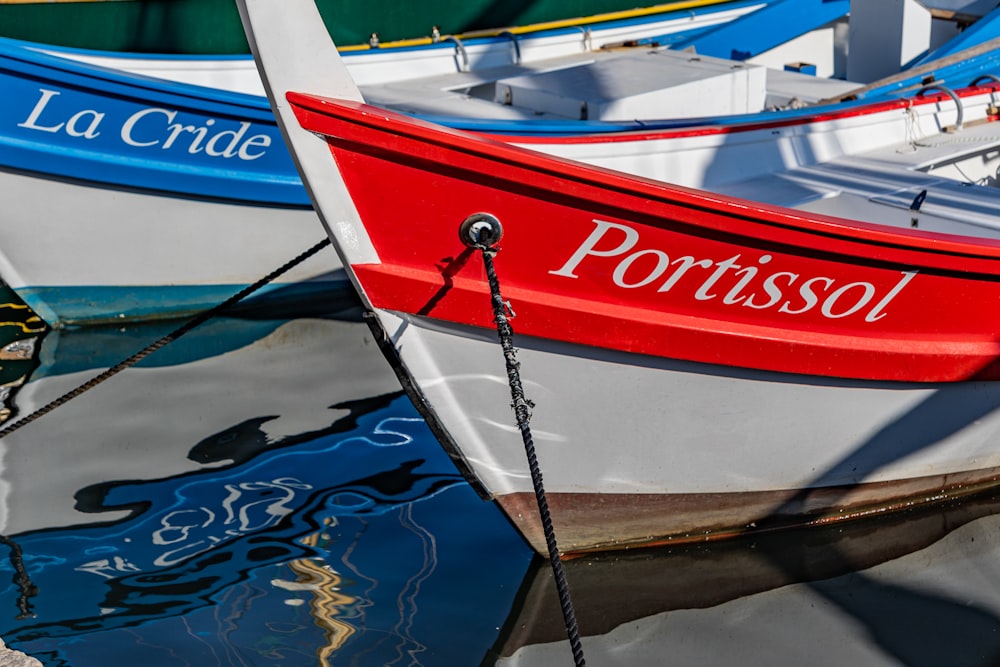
{"points": [[80, 253], [420, 59], [581, 521], [696, 364], [124, 198], [638, 450], [655, 420]]}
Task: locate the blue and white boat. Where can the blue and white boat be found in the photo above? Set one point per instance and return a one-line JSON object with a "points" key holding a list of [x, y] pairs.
{"points": [[126, 196]]}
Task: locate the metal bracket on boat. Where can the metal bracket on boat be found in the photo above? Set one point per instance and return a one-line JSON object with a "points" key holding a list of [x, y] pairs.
{"points": [[516, 44], [985, 77], [481, 230], [950, 93], [992, 111], [463, 64], [915, 205]]}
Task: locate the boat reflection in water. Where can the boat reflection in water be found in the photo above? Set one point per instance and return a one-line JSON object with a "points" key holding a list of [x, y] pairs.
{"points": [[917, 588], [262, 493], [20, 331], [254, 496]]}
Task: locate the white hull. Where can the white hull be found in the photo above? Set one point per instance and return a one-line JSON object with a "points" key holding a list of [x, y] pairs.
{"points": [[719, 161], [687, 424], [86, 254], [614, 425], [392, 65]]}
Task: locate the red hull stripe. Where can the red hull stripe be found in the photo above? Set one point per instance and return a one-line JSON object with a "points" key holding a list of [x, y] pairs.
{"points": [[831, 113], [598, 258]]}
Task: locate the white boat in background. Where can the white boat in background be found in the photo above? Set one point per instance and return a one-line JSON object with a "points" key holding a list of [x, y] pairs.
{"points": [[448, 54], [643, 67], [700, 362], [787, 55], [213, 26]]}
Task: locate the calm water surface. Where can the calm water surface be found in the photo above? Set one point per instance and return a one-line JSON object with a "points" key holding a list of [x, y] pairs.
{"points": [[261, 493]]}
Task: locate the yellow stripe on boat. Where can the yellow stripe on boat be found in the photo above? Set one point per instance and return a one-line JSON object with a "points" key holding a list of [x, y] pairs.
{"points": [[620, 15]]}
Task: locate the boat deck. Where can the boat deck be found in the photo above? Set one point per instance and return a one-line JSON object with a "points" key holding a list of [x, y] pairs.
{"points": [[883, 185], [610, 85]]}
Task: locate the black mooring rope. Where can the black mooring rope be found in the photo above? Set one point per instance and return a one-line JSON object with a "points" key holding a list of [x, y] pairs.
{"points": [[195, 321], [24, 584], [522, 410]]}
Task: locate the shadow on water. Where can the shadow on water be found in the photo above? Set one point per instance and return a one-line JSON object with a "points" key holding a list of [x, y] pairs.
{"points": [[267, 494], [888, 575], [918, 628], [903, 617]]}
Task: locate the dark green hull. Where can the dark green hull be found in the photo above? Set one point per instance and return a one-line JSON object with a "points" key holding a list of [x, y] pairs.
{"points": [[213, 26]]}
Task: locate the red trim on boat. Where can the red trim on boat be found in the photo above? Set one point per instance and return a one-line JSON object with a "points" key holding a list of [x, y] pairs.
{"points": [[824, 114], [595, 257]]}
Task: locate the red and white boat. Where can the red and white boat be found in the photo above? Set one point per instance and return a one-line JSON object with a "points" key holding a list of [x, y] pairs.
{"points": [[699, 363]]}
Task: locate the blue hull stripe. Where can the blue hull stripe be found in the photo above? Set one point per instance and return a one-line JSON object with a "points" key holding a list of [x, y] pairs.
{"points": [[87, 306]]}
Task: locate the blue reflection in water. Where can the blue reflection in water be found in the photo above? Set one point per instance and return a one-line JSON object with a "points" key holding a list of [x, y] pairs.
{"points": [[360, 544]]}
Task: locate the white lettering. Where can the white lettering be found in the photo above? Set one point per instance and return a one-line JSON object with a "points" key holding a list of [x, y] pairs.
{"points": [[90, 131], [234, 140], [199, 134], [588, 247], [747, 275], [662, 263], [740, 285], [723, 266], [772, 289], [32, 121], [86, 123], [810, 298], [686, 263], [261, 140], [126, 132], [175, 131], [827, 309], [876, 313]]}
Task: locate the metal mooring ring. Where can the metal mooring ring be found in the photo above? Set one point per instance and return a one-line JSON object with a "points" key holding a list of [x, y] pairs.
{"points": [[481, 230]]}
